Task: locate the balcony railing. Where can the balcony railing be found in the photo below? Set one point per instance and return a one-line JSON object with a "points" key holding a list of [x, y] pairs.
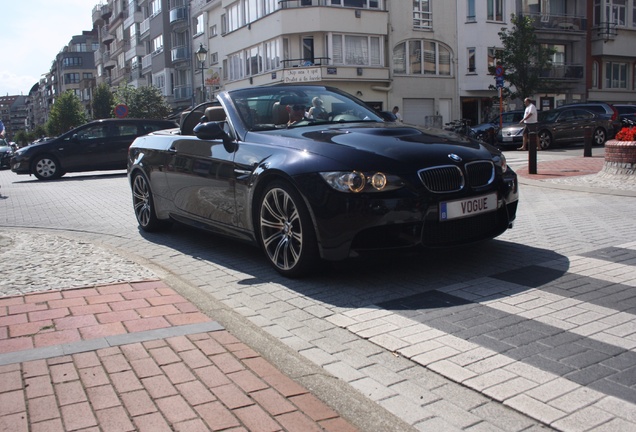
{"points": [[183, 92], [180, 53], [363, 4], [566, 72], [178, 14], [559, 23]]}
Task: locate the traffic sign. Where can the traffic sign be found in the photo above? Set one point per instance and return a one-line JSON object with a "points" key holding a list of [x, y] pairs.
{"points": [[499, 71], [121, 111], [499, 82]]}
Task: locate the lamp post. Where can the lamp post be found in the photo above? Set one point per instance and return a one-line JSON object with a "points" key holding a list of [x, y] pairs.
{"points": [[202, 53]]}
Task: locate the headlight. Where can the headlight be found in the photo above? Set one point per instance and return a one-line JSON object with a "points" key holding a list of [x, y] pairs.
{"points": [[500, 160], [355, 181]]}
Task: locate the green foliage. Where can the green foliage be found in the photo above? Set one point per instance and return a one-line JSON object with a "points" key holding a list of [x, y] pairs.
{"points": [[523, 59], [66, 113], [143, 102], [103, 102], [22, 138]]}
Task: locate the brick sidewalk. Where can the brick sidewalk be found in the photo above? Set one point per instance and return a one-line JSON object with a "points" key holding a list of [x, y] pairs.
{"points": [[139, 357], [564, 168]]}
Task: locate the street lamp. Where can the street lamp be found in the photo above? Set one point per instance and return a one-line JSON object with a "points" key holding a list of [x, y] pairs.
{"points": [[202, 53]]}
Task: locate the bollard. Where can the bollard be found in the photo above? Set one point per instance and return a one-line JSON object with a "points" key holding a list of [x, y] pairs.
{"points": [[587, 142], [532, 150]]}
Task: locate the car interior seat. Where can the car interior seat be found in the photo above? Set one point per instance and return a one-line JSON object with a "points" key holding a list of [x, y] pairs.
{"points": [[189, 119], [215, 113], [280, 115]]}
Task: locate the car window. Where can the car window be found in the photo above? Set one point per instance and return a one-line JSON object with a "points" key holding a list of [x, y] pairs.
{"points": [[93, 132], [126, 130]]}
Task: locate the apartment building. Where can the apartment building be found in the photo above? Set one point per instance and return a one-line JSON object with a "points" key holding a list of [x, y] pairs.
{"points": [[431, 58]]}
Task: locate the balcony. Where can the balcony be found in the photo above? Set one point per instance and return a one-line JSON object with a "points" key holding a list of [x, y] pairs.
{"points": [[559, 23], [146, 62], [104, 34], [179, 14], [136, 17], [135, 51], [565, 72], [144, 28], [361, 4], [183, 92], [180, 54]]}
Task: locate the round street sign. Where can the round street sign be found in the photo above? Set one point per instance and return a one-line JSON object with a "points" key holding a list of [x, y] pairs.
{"points": [[499, 71], [121, 111]]}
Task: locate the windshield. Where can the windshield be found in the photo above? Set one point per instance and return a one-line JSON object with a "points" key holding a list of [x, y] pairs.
{"points": [[264, 108]]}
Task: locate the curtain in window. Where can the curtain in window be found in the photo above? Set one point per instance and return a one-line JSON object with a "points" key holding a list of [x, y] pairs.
{"points": [[357, 50], [415, 57], [399, 58]]}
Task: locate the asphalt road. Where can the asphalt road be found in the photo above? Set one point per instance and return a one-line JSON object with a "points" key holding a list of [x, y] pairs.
{"points": [[534, 330]]}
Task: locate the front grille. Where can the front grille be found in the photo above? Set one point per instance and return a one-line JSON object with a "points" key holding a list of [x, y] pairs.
{"points": [[449, 178], [441, 179], [480, 173]]}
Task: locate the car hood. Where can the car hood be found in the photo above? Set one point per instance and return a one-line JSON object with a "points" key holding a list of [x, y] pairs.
{"points": [[368, 142]]}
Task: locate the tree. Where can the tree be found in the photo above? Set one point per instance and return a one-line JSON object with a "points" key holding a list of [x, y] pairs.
{"points": [[66, 113], [103, 102], [143, 102], [524, 60]]}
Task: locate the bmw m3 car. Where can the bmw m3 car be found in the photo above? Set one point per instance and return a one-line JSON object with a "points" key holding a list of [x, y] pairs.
{"points": [[255, 166]]}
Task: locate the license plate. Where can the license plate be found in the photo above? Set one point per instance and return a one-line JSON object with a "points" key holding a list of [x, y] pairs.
{"points": [[507, 138], [467, 207]]}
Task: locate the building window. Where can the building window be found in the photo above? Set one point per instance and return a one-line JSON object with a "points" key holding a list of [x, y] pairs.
{"points": [[214, 58], [495, 10], [422, 57], [199, 28], [71, 78], [615, 75], [422, 15], [253, 61], [157, 44], [272, 54], [235, 66], [234, 17], [370, 4], [616, 11], [356, 50], [72, 61], [155, 7], [493, 55], [595, 75], [470, 11], [471, 60], [213, 31]]}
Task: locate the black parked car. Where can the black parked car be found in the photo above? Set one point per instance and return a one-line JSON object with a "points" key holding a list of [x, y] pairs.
{"points": [[600, 108], [627, 113], [95, 146], [6, 153], [327, 189], [568, 125]]}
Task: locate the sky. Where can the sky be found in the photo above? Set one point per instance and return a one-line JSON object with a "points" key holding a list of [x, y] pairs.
{"points": [[32, 33]]}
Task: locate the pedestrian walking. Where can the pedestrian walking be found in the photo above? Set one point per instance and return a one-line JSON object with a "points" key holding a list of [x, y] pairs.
{"points": [[530, 121]]}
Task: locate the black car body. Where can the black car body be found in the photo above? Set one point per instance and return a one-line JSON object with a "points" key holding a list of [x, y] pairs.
{"points": [[600, 108], [568, 124], [627, 113], [318, 189], [6, 153], [100, 145]]}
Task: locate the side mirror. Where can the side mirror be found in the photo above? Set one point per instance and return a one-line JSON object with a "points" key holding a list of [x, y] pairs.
{"points": [[212, 131]]}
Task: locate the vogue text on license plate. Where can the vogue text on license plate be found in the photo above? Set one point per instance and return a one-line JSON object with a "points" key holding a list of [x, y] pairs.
{"points": [[467, 207]]}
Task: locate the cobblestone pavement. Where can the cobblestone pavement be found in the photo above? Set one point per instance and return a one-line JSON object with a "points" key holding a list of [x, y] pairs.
{"points": [[533, 331]]}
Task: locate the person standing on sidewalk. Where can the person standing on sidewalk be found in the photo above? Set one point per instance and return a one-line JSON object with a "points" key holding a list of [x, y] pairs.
{"points": [[530, 120]]}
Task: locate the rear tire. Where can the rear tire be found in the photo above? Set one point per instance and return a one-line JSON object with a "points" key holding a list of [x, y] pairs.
{"points": [[599, 137], [545, 139], [144, 205]]}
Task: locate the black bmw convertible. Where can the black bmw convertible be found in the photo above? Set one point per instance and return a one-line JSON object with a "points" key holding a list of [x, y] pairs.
{"points": [[256, 165]]}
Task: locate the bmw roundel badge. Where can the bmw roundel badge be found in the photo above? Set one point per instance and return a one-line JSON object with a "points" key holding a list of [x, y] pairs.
{"points": [[454, 157]]}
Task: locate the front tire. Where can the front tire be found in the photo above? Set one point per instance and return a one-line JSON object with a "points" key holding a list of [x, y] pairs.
{"points": [[285, 230], [46, 167], [144, 205]]}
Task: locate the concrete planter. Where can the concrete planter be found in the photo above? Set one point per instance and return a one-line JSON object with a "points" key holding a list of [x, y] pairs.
{"points": [[620, 157]]}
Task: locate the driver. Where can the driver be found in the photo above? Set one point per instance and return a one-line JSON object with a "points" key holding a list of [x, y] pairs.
{"points": [[296, 113]]}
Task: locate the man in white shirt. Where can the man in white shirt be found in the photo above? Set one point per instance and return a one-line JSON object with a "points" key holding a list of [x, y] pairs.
{"points": [[530, 120]]}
